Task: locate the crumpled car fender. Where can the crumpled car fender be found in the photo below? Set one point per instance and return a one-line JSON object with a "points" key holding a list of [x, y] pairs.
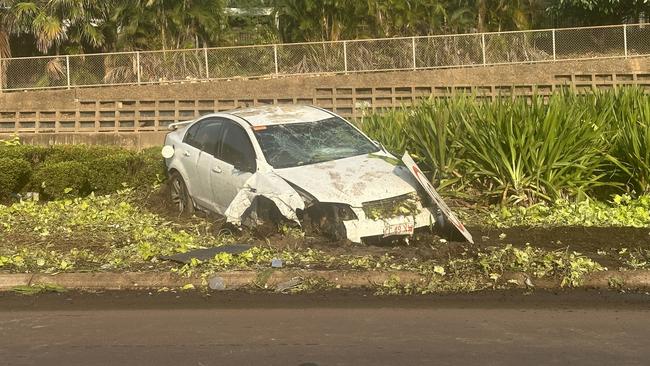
{"points": [[270, 186]]}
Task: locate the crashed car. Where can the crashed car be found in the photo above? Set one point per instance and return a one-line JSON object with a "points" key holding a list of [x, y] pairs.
{"points": [[297, 163]]}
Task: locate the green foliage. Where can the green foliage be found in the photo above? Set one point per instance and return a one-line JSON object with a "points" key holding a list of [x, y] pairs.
{"points": [[11, 142], [526, 150], [62, 179], [109, 173], [536, 150], [158, 24], [148, 167], [44, 20], [599, 12], [69, 170], [32, 154], [14, 175], [315, 20], [637, 258], [82, 153], [631, 117], [108, 233], [570, 267], [95, 232], [428, 131], [622, 211]]}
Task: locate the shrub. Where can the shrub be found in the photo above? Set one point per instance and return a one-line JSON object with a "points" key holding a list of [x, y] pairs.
{"points": [[82, 153], [14, 175], [631, 118], [529, 149], [532, 150], [429, 131], [110, 173], [148, 167], [34, 155], [62, 179]]}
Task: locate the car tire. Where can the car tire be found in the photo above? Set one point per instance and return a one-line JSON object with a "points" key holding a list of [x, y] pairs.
{"points": [[180, 196]]}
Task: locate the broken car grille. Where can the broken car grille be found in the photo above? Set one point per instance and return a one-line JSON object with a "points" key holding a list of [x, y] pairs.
{"points": [[404, 205]]}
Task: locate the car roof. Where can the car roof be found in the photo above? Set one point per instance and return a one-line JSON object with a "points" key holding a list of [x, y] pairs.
{"points": [[280, 114]]}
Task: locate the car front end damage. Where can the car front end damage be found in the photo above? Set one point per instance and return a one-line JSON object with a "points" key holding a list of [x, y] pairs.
{"points": [[397, 215]]}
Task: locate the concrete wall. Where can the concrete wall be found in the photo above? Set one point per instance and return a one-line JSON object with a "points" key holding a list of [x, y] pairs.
{"points": [[137, 116]]}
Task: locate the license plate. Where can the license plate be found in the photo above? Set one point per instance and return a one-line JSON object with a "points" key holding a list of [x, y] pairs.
{"points": [[399, 229]]}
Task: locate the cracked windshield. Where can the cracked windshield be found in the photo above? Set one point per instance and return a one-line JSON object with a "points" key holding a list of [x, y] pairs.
{"points": [[296, 144]]}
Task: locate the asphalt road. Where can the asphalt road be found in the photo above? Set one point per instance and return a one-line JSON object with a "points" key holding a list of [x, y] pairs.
{"points": [[576, 328]]}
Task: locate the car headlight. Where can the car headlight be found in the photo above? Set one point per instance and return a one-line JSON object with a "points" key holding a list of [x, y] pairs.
{"points": [[345, 212]]}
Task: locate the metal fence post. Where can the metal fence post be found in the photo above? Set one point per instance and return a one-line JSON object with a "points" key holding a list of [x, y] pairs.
{"points": [[67, 68], [483, 47], [207, 65], [275, 57], [345, 57], [625, 39], [554, 54], [2, 75], [137, 65], [413, 48]]}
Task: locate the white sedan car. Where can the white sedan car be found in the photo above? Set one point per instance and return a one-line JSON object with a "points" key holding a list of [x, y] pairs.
{"points": [[298, 163]]}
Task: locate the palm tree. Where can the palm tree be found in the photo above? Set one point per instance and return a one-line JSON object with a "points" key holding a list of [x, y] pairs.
{"points": [[320, 20], [5, 29], [167, 24], [78, 23], [498, 15], [410, 17]]}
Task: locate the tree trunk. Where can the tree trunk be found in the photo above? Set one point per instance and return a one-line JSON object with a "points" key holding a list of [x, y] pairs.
{"points": [[482, 11]]}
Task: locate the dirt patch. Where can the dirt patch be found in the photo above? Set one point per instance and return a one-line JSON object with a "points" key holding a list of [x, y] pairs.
{"points": [[598, 243], [602, 244], [580, 239]]}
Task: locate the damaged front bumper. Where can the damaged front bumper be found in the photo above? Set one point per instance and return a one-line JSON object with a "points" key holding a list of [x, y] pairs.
{"points": [[399, 225]]}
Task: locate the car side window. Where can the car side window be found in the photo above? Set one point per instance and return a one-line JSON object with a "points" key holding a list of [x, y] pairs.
{"points": [[192, 134], [209, 137], [205, 135], [236, 148]]}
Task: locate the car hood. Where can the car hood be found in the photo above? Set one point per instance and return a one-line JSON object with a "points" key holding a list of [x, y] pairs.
{"points": [[353, 180]]}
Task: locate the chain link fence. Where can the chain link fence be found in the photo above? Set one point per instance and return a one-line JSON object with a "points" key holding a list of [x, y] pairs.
{"points": [[406, 53]]}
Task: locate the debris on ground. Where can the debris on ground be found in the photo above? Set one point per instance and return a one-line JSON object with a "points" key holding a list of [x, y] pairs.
{"points": [[217, 283], [283, 287], [276, 263], [207, 254]]}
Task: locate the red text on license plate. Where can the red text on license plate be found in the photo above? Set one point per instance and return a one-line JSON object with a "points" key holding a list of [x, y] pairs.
{"points": [[398, 229]]}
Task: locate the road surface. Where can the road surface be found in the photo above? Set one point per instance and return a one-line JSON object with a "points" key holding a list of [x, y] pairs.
{"points": [[118, 328]]}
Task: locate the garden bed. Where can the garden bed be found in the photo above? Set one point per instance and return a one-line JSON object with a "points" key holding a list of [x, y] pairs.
{"points": [[132, 231]]}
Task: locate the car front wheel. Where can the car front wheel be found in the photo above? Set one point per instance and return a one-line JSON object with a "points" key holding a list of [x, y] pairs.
{"points": [[180, 196]]}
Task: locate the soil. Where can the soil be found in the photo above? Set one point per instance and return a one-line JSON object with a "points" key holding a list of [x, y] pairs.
{"points": [[580, 239], [599, 243], [426, 245]]}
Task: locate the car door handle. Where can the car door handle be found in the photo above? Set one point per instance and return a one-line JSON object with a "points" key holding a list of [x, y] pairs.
{"points": [[186, 153], [216, 169]]}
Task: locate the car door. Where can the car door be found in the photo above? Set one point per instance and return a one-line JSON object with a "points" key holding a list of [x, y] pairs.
{"points": [[189, 155], [236, 163], [209, 140]]}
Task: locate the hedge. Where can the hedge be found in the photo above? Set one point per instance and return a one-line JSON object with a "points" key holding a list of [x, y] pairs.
{"points": [[58, 180], [76, 170], [14, 175]]}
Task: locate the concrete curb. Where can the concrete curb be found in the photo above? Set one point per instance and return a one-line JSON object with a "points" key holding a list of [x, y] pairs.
{"points": [[239, 279], [232, 279]]}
